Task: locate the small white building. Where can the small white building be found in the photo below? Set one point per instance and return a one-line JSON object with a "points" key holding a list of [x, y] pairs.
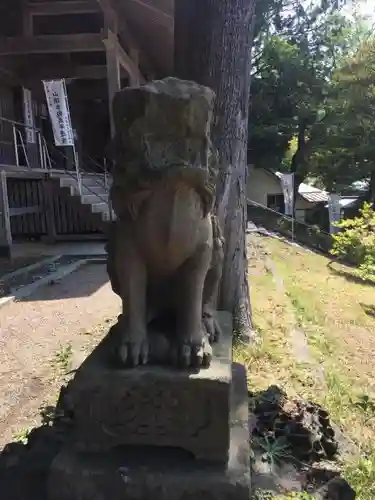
{"points": [[264, 188]]}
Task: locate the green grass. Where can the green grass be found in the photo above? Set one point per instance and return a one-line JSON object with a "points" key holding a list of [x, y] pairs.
{"points": [[265, 495], [63, 358], [335, 313], [21, 436]]}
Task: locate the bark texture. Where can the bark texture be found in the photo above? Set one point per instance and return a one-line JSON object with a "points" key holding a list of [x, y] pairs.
{"points": [[213, 47]]}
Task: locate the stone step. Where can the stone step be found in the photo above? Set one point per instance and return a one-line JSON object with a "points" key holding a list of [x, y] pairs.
{"points": [[99, 207], [90, 199], [86, 182]]}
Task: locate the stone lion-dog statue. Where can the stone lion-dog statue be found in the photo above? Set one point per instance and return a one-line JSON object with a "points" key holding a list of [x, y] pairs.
{"points": [[165, 248]]}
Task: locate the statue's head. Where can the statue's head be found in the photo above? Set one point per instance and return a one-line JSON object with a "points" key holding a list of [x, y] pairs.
{"points": [[170, 108]]}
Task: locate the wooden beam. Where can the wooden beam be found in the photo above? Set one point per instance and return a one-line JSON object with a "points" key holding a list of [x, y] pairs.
{"points": [[112, 43], [27, 20], [36, 209], [113, 78], [57, 8], [162, 18], [134, 55], [66, 71], [113, 8], [51, 44], [110, 15], [50, 217], [5, 227]]}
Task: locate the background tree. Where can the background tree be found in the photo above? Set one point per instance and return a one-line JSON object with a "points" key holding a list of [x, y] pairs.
{"points": [[297, 53], [346, 151], [213, 47]]}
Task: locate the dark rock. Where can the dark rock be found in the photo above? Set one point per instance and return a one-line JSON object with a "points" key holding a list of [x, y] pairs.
{"points": [[305, 425], [336, 489]]}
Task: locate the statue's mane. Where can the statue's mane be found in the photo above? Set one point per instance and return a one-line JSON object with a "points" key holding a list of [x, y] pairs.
{"points": [[162, 135]]}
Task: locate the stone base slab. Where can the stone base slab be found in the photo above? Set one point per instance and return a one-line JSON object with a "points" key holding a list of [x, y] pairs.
{"points": [[155, 473], [153, 405]]}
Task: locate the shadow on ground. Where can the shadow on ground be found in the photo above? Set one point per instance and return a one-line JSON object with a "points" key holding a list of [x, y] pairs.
{"points": [[348, 275], [368, 309], [25, 465], [83, 282]]}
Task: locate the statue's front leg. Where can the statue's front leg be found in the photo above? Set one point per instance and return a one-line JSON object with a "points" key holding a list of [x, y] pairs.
{"points": [[192, 347], [132, 282]]}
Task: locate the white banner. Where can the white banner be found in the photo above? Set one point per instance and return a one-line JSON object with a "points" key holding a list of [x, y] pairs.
{"points": [[58, 107], [334, 209], [28, 112], [287, 183]]}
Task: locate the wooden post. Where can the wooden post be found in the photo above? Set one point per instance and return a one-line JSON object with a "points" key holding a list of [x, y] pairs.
{"points": [[30, 135], [5, 228], [48, 205], [28, 104], [113, 78], [134, 79], [27, 20]]}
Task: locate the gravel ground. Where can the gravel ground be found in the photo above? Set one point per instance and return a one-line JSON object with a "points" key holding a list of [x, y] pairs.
{"points": [[40, 336]]}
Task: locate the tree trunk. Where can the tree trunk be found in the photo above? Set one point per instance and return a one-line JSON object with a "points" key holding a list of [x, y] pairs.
{"points": [[213, 47]]}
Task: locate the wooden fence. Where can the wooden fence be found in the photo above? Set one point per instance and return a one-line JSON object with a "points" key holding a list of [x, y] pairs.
{"points": [[28, 207], [34, 206]]}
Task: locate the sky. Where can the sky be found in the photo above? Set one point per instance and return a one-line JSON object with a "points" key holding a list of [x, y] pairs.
{"points": [[365, 8]]}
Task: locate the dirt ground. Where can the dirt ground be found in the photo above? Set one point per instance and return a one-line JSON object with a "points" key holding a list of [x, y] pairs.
{"points": [[43, 337]]}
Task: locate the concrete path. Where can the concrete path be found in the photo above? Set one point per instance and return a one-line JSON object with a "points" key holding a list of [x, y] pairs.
{"points": [[40, 333]]}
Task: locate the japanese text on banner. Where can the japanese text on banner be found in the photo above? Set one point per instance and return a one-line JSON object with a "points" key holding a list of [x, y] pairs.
{"points": [[58, 107]]}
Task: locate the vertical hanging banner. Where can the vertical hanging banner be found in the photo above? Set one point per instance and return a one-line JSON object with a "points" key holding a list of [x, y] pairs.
{"points": [[58, 107], [334, 209], [287, 183], [28, 112]]}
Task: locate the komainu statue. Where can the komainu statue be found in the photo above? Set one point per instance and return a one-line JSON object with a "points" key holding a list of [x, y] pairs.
{"points": [[165, 249]]}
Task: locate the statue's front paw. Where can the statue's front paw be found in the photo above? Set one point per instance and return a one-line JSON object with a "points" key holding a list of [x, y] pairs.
{"points": [[193, 355], [134, 353]]}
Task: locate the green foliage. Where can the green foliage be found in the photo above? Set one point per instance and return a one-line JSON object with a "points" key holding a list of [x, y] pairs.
{"points": [[344, 151], [361, 475], [313, 93], [356, 242], [297, 48]]}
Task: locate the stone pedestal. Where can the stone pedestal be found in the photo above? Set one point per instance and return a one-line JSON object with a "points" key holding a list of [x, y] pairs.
{"points": [[153, 433]]}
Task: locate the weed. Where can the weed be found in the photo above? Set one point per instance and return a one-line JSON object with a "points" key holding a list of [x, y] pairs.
{"points": [[63, 358], [21, 436], [274, 450]]}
